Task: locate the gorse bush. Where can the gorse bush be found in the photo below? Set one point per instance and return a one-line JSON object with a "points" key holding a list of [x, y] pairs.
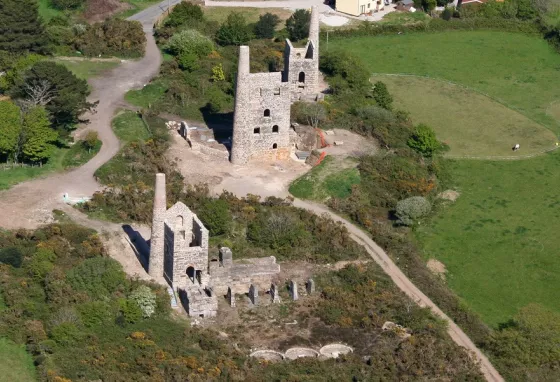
{"points": [[113, 37]]}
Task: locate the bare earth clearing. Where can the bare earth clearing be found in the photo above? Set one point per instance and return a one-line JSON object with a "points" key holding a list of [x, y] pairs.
{"points": [[30, 204]]}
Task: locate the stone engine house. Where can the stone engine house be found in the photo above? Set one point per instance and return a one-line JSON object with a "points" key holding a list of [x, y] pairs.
{"points": [[261, 125], [179, 252]]}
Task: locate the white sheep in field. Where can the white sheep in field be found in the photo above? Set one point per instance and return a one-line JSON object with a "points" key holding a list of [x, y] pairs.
{"points": [[516, 147]]}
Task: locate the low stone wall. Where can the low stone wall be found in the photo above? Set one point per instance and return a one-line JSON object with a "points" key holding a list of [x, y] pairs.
{"points": [[268, 355], [295, 353], [326, 352], [334, 350]]}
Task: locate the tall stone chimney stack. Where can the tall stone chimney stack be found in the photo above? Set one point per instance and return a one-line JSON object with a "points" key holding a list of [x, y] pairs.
{"points": [[241, 140], [314, 27], [155, 264]]}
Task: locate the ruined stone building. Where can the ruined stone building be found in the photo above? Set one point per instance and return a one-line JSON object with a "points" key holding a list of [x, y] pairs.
{"points": [[261, 126], [179, 252]]}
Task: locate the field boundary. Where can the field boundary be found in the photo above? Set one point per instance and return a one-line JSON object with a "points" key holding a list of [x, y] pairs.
{"points": [[501, 102]]}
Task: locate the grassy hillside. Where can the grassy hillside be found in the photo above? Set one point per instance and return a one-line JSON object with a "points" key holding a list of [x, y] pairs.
{"points": [[469, 122], [520, 70], [499, 239]]}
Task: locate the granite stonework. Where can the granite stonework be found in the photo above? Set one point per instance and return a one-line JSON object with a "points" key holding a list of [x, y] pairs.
{"points": [[179, 252], [261, 126]]}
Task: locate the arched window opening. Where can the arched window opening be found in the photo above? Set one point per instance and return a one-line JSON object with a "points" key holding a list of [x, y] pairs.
{"points": [[301, 77], [267, 113], [179, 221], [275, 128], [275, 146]]}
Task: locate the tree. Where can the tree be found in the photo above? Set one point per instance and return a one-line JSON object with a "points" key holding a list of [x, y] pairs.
{"points": [[298, 24], [411, 209], [234, 31], [348, 71], [10, 126], [69, 93], [382, 96], [91, 140], [309, 113], [20, 27], [424, 141], [38, 136], [266, 26], [183, 13]]}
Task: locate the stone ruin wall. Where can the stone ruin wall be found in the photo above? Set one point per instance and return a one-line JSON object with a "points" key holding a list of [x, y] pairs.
{"points": [[262, 113], [272, 92]]}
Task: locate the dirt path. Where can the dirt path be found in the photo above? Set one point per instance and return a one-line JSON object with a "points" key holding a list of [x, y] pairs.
{"points": [[29, 204], [399, 278]]}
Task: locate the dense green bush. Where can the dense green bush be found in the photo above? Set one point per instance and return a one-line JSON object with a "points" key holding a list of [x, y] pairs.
{"points": [[409, 210], [424, 141], [146, 300], [280, 230], [190, 41], [234, 31], [382, 96], [312, 114], [11, 256], [66, 4], [184, 13], [215, 216], [113, 37], [99, 277]]}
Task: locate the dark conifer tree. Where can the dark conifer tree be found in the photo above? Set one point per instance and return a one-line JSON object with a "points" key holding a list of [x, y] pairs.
{"points": [[21, 29]]}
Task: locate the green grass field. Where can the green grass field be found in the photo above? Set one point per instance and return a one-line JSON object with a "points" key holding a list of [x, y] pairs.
{"points": [[220, 14], [46, 11], [334, 177], [469, 122], [17, 364], [78, 155], [520, 70], [146, 96], [86, 69], [499, 239]]}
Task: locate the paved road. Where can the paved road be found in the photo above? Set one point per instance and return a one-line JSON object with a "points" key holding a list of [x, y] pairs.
{"points": [[29, 204], [404, 284]]}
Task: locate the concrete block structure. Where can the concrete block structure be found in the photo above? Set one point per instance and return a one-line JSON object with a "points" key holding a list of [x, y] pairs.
{"points": [[179, 252], [261, 127]]}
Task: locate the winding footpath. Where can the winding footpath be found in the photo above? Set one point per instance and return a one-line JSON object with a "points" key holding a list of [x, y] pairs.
{"points": [[30, 204], [404, 284]]}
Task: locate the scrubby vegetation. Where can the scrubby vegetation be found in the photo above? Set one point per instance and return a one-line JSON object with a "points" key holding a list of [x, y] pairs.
{"points": [[79, 317]]}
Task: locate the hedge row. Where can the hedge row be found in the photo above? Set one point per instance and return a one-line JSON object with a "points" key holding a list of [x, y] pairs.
{"points": [[439, 25]]}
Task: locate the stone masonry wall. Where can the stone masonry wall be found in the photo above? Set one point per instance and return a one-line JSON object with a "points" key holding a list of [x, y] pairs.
{"points": [[262, 112], [262, 100]]}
